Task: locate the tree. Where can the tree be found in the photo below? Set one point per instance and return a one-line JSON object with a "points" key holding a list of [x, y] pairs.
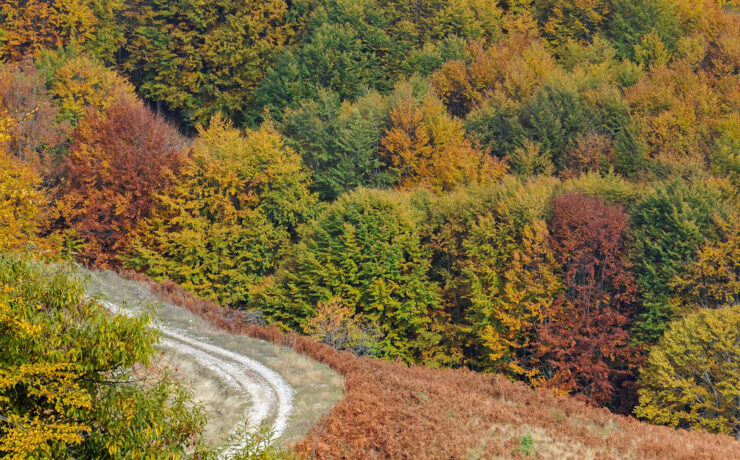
{"points": [[511, 285], [228, 216], [366, 249], [514, 68], [425, 146], [340, 142], [578, 20], [22, 203], [712, 280], [199, 59], [692, 376], [30, 25], [555, 116], [116, 163], [345, 49], [77, 80], [67, 389], [492, 262], [34, 131], [584, 343], [669, 225]]}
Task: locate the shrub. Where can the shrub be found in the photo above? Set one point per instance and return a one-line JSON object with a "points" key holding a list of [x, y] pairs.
{"points": [[67, 389], [335, 325]]}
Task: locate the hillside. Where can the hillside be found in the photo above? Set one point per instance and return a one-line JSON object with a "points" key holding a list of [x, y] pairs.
{"points": [[511, 226], [390, 410]]}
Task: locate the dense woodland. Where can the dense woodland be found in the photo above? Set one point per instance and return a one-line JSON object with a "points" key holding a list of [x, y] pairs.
{"points": [[543, 189]]}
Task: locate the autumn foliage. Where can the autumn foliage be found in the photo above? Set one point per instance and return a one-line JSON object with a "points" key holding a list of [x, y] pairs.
{"points": [[691, 379], [117, 161], [585, 342], [540, 189], [67, 389]]}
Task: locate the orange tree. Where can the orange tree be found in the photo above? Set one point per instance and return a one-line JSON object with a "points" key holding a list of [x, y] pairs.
{"points": [[117, 160]]}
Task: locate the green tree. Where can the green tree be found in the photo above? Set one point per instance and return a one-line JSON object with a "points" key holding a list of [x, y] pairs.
{"points": [[491, 261], [692, 376], [631, 20], [365, 249], [669, 225], [229, 216], [201, 58], [345, 49], [340, 142]]}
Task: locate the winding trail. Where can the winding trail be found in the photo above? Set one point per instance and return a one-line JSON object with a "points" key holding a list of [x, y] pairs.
{"points": [[269, 395]]}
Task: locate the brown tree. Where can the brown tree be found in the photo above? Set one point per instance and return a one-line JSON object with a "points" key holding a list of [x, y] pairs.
{"points": [[117, 161], [34, 131], [584, 343]]}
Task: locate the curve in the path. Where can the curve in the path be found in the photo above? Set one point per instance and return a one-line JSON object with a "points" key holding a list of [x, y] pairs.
{"points": [[268, 394]]}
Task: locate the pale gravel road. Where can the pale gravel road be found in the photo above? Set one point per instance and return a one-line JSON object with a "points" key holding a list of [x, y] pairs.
{"points": [[269, 395]]}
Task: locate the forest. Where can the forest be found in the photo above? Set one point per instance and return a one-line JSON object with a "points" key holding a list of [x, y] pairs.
{"points": [[546, 190]]}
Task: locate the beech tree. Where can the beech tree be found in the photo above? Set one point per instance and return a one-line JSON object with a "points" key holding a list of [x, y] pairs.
{"points": [[77, 80], [199, 59], [340, 142], [22, 203], [425, 146], [669, 225], [365, 249], [692, 376], [228, 216], [585, 343], [712, 280], [117, 161], [34, 131], [513, 68], [67, 389]]}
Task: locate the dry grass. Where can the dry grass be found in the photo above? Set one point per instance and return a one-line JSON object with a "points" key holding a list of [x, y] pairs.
{"points": [[393, 411]]}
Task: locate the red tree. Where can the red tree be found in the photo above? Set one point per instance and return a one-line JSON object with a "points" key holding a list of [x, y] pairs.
{"points": [[117, 161], [585, 345]]}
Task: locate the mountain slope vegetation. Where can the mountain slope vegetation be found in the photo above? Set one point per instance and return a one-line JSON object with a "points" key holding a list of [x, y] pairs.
{"points": [[544, 190]]}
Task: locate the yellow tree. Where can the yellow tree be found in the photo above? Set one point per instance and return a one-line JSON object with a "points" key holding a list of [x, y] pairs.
{"points": [[77, 81], [228, 216], [512, 285], [66, 386], [692, 377], [427, 147], [27, 26], [21, 201], [713, 278]]}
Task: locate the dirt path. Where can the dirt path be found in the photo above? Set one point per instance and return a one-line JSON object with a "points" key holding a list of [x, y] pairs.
{"points": [[235, 377]]}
